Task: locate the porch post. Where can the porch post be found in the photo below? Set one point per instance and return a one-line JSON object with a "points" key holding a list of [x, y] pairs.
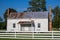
{"points": [[19, 27], [32, 27]]}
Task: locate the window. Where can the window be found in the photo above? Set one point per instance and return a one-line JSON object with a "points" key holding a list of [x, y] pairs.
{"points": [[13, 25], [38, 25]]}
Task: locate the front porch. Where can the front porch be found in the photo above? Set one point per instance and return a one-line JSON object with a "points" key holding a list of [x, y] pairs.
{"points": [[27, 26]]}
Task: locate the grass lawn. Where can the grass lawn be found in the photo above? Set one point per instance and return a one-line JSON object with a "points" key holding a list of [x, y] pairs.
{"points": [[24, 39]]}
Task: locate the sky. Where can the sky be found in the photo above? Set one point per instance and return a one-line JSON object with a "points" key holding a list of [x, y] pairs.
{"points": [[21, 5]]}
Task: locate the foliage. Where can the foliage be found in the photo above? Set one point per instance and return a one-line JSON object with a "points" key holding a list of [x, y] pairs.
{"points": [[1, 19], [5, 15], [10, 10], [56, 19], [37, 5], [2, 25]]}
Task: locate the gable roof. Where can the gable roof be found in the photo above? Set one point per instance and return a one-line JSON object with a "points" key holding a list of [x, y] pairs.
{"points": [[29, 15]]}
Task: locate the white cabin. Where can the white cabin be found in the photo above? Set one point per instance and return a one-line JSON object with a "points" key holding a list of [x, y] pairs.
{"points": [[27, 22]]}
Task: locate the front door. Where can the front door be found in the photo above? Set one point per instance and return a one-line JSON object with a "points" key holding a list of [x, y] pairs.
{"points": [[25, 27]]}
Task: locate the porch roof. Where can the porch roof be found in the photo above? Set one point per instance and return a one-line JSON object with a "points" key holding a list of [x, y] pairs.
{"points": [[25, 22]]}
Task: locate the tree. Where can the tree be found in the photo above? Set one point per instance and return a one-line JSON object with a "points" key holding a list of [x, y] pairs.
{"points": [[1, 22], [56, 19], [1, 19], [37, 5], [6, 12]]}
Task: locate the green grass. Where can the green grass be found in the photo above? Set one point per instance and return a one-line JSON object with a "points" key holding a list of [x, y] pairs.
{"points": [[23, 39]]}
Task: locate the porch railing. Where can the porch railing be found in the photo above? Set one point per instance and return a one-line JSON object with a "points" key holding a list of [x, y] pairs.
{"points": [[31, 35]]}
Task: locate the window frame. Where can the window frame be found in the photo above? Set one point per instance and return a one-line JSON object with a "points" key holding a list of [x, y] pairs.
{"points": [[14, 25], [39, 25]]}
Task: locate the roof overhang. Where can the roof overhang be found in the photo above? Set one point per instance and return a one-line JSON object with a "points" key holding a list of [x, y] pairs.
{"points": [[25, 22]]}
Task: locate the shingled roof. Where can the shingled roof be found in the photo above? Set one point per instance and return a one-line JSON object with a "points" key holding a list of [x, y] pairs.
{"points": [[29, 15]]}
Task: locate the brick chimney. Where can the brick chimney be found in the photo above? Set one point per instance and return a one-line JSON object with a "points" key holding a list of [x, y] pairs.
{"points": [[8, 12], [50, 19]]}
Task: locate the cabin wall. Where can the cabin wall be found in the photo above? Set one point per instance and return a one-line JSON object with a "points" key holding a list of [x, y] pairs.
{"points": [[43, 24]]}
